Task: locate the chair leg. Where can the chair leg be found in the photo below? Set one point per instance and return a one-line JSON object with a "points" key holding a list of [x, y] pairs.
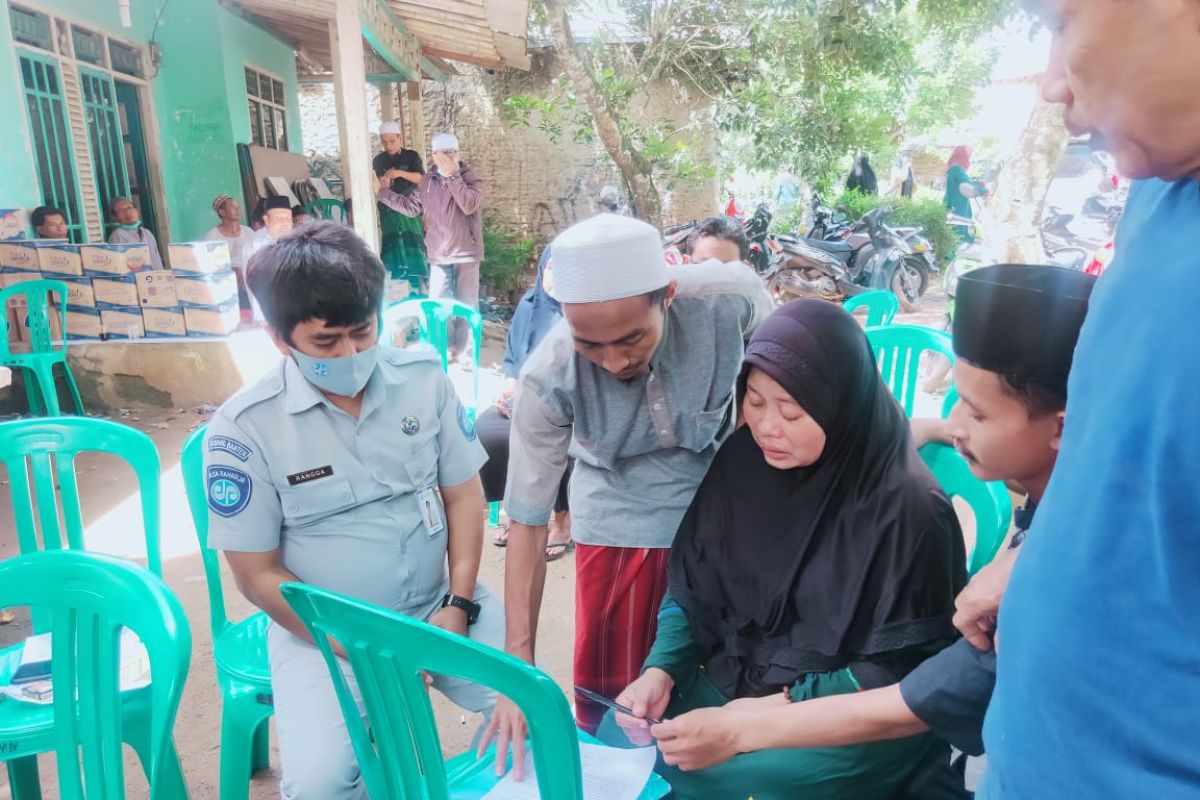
{"points": [[74, 387], [262, 746], [23, 780], [170, 784], [45, 376], [237, 752], [32, 392]]}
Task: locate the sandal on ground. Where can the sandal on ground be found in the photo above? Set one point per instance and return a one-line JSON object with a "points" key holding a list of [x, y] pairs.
{"points": [[556, 550], [501, 538]]}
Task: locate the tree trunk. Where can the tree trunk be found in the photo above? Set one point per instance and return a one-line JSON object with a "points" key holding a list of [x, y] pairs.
{"points": [[1020, 194], [635, 170]]}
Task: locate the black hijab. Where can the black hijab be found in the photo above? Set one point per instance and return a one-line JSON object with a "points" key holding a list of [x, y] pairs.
{"points": [[848, 560]]}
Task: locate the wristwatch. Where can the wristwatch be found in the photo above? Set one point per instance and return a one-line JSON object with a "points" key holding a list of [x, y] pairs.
{"points": [[462, 604]]}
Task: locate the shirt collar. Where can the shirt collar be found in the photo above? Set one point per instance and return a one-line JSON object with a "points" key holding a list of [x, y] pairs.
{"points": [[299, 394]]}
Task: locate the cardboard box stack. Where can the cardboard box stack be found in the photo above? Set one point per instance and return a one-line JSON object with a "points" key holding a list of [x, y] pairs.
{"points": [[205, 287], [113, 271]]}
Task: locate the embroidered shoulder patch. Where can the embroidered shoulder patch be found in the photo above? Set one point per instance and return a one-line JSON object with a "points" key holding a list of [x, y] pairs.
{"points": [[228, 490], [224, 444], [466, 424]]}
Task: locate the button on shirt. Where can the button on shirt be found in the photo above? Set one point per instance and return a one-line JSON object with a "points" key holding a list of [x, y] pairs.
{"points": [[340, 497], [641, 446]]}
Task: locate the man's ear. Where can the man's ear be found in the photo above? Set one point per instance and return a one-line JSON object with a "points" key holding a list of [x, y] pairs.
{"points": [[671, 287], [1059, 419], [280, 345]]}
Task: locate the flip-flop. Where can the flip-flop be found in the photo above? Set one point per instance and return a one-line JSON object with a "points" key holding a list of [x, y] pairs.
{"points": [[501, 538], [556, 550]]}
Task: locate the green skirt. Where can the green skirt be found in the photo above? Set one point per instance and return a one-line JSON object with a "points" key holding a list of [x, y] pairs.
{"points": [[876, 771], [402, 246]]}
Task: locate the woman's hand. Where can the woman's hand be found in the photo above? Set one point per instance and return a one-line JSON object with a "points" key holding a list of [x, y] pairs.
{"points": [[648, 696], [504, 402], [700, 739]]}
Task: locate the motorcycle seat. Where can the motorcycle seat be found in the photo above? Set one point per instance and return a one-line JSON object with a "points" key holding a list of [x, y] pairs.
{"points": [[836, 248]]}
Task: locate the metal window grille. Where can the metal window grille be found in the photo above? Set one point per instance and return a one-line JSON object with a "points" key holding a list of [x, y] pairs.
{"points": [[51, 138], [104, 133]]}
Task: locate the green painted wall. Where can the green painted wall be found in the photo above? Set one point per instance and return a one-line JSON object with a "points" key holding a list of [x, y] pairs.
{"points": [[18, 179], [245, 45], [198, 101]]}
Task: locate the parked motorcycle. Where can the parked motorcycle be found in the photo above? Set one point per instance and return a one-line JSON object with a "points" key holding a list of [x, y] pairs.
{"points": [[872, 256]]}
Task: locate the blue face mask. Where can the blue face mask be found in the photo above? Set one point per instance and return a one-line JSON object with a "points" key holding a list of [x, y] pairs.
{"points": [[345, 376]]}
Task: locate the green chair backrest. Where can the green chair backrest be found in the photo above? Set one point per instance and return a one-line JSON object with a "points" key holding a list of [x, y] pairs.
{"points": [[327, 208], [35, 297], [191, 463], [89, 598], [401, 757], [39, 455], [898, 350], [408, 308], [990, 502], [881, 307]]}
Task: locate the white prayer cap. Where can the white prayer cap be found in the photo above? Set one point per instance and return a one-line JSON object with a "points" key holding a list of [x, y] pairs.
{"points": [[607, 257], [390, 127], [444, 141]]}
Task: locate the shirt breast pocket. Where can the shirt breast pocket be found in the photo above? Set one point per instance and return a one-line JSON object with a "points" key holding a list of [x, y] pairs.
{"points": [[309, 503], [710, 427]]}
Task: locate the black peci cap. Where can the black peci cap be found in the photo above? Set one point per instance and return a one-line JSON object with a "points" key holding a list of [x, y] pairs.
{"points": [[1021, 320]]}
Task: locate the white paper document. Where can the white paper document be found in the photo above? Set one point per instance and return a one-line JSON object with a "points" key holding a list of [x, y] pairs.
{"points": [[609, 773]]}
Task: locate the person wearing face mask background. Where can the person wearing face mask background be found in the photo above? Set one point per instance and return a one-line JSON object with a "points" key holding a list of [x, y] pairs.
{"points": [[351, 466], [129, 229]]}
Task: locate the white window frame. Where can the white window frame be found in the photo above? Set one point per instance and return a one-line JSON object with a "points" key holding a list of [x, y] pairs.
{"points": [[282, 141]]}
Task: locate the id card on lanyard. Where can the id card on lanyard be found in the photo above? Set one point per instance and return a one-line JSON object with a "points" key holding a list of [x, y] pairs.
{"points": [[431, 512]]}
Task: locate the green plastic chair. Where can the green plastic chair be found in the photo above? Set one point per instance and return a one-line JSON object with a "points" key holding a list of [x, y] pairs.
{"points": [[434, 316], [239, 651], [990, 502], [329, 208], [37, 365], [39, 455], [89, 598], [399, 753], [898, 350], [881, 307]]}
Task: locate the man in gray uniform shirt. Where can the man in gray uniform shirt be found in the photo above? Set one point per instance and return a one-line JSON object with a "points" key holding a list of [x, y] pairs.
{"points": [[353, 467]]}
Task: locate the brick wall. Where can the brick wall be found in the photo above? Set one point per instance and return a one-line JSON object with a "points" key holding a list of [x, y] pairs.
{"points": [[540, 184]]}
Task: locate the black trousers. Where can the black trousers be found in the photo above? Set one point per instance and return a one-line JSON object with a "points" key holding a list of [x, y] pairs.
{"points": [[492, 428]]}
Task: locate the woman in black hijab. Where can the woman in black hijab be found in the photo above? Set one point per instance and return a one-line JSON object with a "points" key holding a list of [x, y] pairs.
{"points": [[818, 557]]}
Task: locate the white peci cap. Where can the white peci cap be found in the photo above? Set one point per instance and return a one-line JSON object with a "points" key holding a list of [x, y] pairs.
{"points": [[444, 141], [390, 127], [607, 257]]}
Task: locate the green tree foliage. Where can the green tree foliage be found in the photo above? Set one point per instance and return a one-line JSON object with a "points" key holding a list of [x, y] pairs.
{"points": [[506, 254], [799, 83], [927, 212]]}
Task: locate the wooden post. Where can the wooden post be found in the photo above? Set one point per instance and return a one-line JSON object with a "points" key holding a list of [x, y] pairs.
{"points": [[416, 120], [350, 89], [387, 105]]}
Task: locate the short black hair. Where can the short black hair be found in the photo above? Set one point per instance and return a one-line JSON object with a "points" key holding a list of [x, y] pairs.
{"points": [[722, 227], [1038, 398], [38, 218], [319, 271], [657, 297]]}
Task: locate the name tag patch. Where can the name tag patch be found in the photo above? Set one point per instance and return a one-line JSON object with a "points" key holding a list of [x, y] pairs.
{"points": [[224, 444], [228, 490], [307, 475]]}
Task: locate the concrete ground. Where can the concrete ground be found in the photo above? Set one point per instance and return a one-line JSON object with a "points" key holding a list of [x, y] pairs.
{"points": [[112, 517]]}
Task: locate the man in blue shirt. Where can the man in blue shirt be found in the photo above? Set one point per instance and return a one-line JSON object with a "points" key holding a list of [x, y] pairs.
{"points": [[1098, 647]]}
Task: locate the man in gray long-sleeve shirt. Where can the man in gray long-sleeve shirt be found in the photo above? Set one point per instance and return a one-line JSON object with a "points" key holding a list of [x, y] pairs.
{"points": [[637, 384], [450, 198]]}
